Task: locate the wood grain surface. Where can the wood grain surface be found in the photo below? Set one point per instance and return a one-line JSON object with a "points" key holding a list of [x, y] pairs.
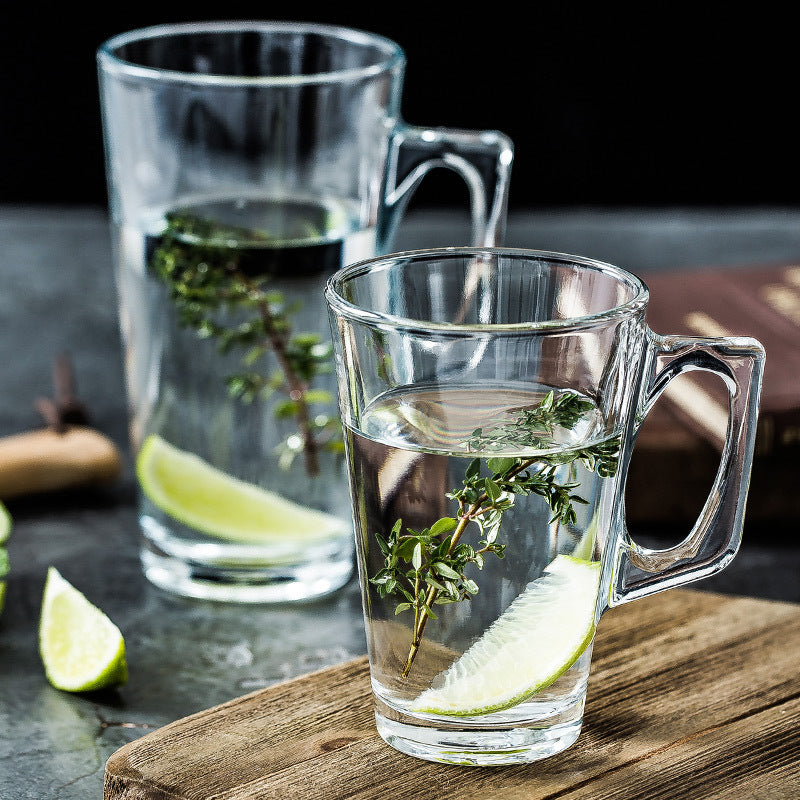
{"points": [[692, 695]]}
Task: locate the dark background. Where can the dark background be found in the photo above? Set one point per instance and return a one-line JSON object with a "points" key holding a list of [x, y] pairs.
{"points": [[650, 107]]}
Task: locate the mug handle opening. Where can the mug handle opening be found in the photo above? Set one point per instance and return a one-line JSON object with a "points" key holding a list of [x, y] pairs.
{"points": [[482, 158], [716, 535]]}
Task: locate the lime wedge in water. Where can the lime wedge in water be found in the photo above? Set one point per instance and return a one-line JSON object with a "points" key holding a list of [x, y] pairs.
{"points": [[209, 500], [533, 642], [80, 647], [584, 548]]}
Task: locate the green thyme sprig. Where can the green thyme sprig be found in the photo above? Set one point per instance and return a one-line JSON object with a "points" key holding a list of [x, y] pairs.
{"points": [[206, 274], [533, 426], [428, 567]]}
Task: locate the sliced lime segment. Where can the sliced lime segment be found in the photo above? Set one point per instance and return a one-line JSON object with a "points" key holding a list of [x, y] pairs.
{"points": [[209, 500], [533, 642], [6, 523], [80, 647], [584, 549]]}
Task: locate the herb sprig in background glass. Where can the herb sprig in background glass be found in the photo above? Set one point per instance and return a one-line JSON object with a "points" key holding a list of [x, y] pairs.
{"points": [[201, 264]]}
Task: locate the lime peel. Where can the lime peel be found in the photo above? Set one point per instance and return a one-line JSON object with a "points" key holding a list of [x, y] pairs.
{"points": [[535, 641], [6, 523], [209, 500], [81, 648]]}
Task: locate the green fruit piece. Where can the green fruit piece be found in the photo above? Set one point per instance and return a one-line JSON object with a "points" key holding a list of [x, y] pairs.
{"points": [[80, 647], [217, 504], [584, 549], [533, 642], [6, 523]]}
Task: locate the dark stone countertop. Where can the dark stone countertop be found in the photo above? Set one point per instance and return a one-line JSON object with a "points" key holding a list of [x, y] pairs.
{"points": [[58, 294]]}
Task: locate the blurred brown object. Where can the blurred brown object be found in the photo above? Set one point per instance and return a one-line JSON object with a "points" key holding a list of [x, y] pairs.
{"points": [[67, 453], [758, 301], [672, 471], [677, 452]]}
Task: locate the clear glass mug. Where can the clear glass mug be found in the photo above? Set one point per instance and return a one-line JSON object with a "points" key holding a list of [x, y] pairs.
{"points": [[491, 399], [246, 162]]}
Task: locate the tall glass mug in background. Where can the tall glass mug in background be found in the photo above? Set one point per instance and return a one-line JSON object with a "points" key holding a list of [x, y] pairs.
{"points": [[491, 398], [247, 162]]}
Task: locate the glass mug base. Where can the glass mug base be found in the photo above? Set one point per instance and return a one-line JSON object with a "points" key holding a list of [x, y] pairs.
{"points": [[244, 579], [522, 742]]}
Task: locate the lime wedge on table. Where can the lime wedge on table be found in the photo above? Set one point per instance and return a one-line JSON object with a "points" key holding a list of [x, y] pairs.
{"points": [[533, 642], [80, 647], [5, 524], [209, 500], [5, 532]]}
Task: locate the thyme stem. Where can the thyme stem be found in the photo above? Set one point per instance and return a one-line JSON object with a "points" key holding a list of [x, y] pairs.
{"points": [[296, 387], [421, 617], [475, 510]]}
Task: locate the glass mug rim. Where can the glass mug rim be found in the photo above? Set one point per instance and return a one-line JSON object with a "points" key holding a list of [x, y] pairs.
{"points": [[392, 54], [359, 314]]}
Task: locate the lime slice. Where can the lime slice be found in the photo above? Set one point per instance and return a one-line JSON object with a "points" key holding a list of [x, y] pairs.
{"points": [[584, 549], [215, 503], [80, 647], [5, 523], [536, 639], [5, 532]]}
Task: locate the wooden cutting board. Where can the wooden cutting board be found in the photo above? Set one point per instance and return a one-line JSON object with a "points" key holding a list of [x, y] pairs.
{"points": [[692, 695]]}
